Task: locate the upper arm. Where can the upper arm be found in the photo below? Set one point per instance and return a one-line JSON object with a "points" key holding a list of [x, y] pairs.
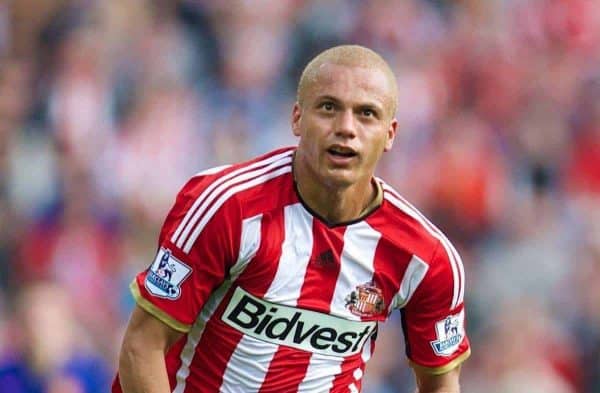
{"points": [[146, 331], [442, 383], [433, 320], [198, 243], [142, 356]]}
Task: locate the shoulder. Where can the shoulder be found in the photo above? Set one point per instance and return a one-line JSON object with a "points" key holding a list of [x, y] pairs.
{"points": [[227, 188], [405, 222], [218, 185], [420, 237], [223, 194], [239, 176]]}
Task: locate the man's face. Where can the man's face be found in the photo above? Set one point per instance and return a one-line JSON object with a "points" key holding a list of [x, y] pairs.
{"points": [[344, 123]]}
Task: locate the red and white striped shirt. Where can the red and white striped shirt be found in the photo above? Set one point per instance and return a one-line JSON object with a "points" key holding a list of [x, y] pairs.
{"points": [[272, 299]]}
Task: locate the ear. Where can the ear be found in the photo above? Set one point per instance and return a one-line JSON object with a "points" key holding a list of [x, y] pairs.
{"points": [[296, 114], [391, 134]]}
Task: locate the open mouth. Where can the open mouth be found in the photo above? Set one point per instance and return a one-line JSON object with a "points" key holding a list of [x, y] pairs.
{"points": [[341, 151]]}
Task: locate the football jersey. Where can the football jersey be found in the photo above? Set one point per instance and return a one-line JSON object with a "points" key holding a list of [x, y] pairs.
{"points": [[272, 298]]}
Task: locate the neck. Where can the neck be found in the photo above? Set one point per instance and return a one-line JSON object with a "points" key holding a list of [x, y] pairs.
{"points": [[336, 203]]}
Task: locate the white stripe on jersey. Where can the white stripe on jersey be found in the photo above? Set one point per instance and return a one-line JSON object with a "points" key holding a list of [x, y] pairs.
{"points": [[192, 213], [413, 275], [284, 289], [360, 243], [248, 365], [358, 373], [322, 370], [367, 352], [233, 190], [295, 254], [320, 373], [250, 242], [455, 262]]}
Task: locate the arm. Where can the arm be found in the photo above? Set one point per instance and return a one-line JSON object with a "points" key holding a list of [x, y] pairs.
{"points": [[172, 291], [142, 360], [442, 383], [434, 324]]}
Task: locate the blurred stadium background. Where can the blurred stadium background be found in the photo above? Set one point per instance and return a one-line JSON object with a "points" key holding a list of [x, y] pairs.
{"points": [[106, 107]]}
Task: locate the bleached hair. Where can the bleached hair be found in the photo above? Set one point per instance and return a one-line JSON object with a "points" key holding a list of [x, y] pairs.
{"points": [[351, 56]]}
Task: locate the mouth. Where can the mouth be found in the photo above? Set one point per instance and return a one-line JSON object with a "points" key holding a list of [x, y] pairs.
{"points": [[342, 151]]}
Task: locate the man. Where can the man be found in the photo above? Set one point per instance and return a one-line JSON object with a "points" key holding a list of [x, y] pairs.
{"points": [[281, 267]]}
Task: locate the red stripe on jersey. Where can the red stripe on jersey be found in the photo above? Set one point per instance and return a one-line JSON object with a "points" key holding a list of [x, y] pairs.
{"points": [[289, 365], [323, 268], [173, 360], [388, 276], [345, 378], [116, 385], [272, 195], [286, 369], [213, 351]]}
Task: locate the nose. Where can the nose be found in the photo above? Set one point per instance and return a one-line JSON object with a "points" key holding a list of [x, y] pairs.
{"points": [[346, 124]]}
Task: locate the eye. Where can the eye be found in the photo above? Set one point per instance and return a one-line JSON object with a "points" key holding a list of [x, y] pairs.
{"points": [[328, 106], [368, 112]]}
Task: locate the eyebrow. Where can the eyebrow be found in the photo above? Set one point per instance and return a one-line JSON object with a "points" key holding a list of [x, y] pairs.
{"points": [[362, 105]]}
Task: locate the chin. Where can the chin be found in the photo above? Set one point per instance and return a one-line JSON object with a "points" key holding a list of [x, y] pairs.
{"points": [[338, 179]]}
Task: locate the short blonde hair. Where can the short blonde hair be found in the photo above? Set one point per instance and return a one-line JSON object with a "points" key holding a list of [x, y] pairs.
{"points": [[351, 56]]}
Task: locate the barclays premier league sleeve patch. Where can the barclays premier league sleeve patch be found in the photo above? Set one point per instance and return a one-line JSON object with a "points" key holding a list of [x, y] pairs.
{"points": [[166, 274], [450, 332]]}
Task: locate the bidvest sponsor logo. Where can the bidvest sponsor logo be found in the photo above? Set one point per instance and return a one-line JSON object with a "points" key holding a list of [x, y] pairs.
{"points": [[294, 327]]}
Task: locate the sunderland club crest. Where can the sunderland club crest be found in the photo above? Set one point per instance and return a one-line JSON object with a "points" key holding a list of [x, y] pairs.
{"points": [[366, 300]]}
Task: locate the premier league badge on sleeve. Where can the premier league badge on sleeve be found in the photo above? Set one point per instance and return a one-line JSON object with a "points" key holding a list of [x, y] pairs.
{"points": [[450, 332], [166, 275]]}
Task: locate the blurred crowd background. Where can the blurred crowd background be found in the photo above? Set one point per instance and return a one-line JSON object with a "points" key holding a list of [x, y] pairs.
{"points": [[107, 107]]}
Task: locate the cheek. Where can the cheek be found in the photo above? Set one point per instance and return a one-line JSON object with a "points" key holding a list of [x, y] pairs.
{"points": [[377, 147], [309, 140], [314, 132]]}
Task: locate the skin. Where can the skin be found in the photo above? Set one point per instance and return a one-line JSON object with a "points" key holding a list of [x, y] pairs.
{"points": [[445, 383], [347, 107], [346, 99], [142, 366]]}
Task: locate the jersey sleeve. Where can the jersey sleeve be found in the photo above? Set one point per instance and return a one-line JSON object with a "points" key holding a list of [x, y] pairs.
{"points": [[198, 242], [434, 319]]}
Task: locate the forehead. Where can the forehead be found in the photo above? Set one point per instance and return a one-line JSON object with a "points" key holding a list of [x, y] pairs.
{"points": [[350, 83]]}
